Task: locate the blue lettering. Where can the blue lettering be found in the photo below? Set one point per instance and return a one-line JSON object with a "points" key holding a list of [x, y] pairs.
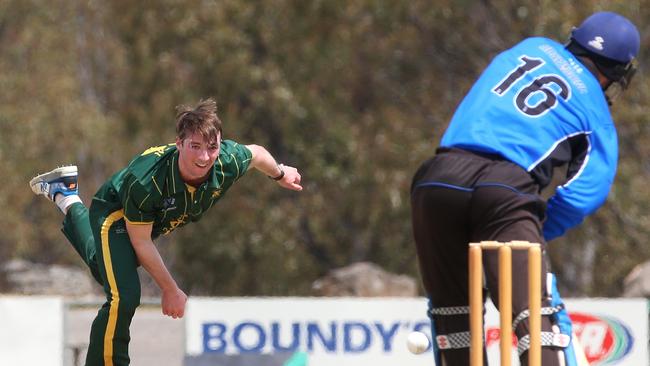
{"points": [[313, 330], [347, 337], [213, 334], [424, 327], [311, 336], [387, 336], [255, 348], [295, 330]]}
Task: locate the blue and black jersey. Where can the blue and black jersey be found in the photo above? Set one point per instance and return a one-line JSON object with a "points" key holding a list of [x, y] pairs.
{"points": [[537, 106]]}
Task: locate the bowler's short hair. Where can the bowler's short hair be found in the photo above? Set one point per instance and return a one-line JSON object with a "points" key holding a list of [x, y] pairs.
{"points": [[201, 119]]}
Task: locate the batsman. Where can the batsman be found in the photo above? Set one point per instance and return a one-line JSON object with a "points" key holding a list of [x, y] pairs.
{"points": [[159, 191], [538, 106]]}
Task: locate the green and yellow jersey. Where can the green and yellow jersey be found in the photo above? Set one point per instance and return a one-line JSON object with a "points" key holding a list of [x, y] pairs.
{"points": [[150, 189]]}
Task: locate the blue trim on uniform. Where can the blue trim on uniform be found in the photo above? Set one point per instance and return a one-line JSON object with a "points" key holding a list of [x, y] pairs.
{"points": [[444, 185], [465, 189]]}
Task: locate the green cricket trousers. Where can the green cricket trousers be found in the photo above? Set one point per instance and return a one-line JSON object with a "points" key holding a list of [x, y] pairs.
{"points": [[103, 243]]}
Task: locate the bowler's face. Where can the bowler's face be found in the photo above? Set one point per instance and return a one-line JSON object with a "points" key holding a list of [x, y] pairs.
{"points": [[196, 156]]}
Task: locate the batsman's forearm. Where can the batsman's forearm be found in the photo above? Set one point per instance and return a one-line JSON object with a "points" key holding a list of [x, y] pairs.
{"points": [[152, 262]]}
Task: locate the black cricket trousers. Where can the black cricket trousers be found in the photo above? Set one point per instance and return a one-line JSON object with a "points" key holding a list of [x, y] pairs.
{"points": [[458, 197]]}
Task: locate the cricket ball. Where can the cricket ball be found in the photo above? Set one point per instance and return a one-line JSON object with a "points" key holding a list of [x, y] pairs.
{"points": [[417, 342]]}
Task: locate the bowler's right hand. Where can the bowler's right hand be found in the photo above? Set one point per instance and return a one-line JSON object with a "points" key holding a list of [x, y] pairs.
{"points": [[173, 303]]}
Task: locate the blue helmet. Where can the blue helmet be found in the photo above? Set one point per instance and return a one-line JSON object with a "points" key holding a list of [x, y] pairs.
{"points": [[609, 35]]}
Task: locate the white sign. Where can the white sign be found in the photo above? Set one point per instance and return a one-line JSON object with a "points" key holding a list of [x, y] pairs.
{"points": [[341, 331], [31, 331], [373, 331]]}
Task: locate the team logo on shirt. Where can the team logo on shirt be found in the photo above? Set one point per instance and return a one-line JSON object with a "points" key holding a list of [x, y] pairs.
{"points": [[597, 43], [173, 224], [158, 150]]}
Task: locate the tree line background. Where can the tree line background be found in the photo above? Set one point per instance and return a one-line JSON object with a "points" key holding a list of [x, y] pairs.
{"points": [[355, 93]]}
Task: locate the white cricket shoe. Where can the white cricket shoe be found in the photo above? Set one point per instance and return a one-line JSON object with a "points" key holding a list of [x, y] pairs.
{"points": [[60, 180]]}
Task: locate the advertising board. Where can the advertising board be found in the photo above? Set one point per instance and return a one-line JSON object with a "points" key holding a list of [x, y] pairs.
{"points": [[354, 331]]}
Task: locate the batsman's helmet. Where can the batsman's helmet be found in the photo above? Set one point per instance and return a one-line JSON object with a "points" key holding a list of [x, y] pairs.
{"points": [[609, 35], [611, 41]]}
